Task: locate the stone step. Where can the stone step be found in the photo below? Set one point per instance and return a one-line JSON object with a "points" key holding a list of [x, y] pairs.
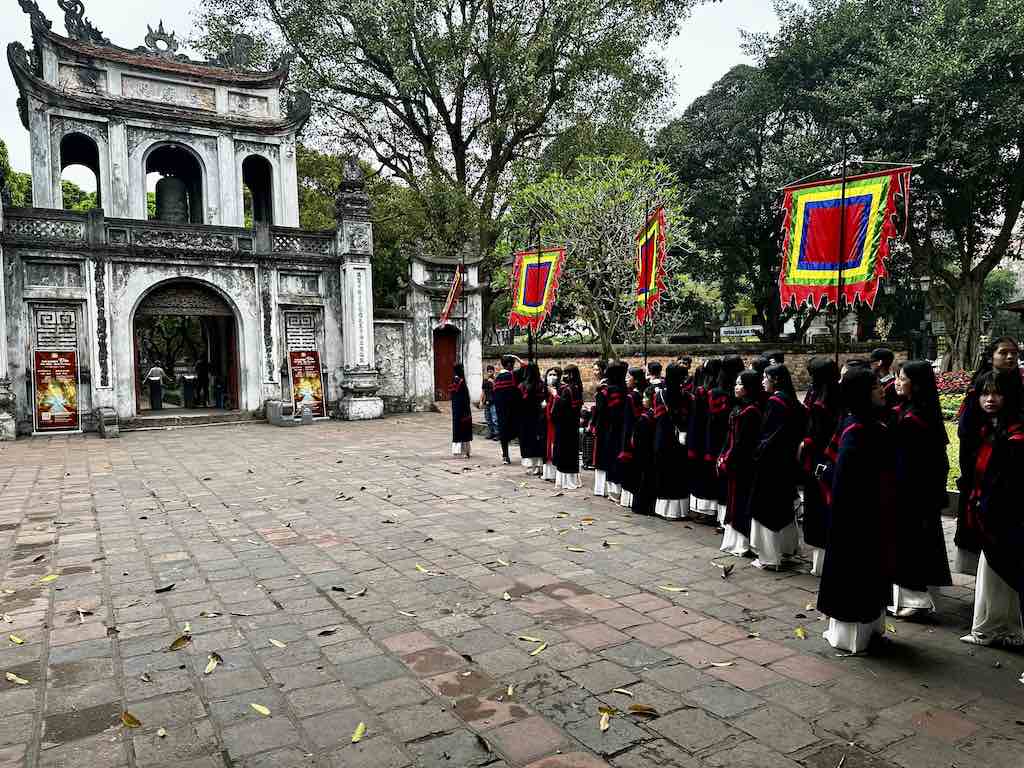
{"points": [[173, 421]]}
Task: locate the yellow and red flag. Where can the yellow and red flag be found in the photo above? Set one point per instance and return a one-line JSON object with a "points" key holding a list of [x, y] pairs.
{"points": [[534, 284], [454, 294], [650, 265]]}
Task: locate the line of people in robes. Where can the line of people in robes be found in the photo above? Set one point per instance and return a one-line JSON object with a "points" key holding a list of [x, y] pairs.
{"points": [[854, 474]]}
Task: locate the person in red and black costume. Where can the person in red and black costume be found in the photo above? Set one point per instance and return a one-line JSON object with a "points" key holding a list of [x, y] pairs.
{"points": [[671, 415], [606, 422], [922, 469], [720, 402], [532, 424], [823, 409], [736, 462], [703, 474], [1003, 354], [462, 413], [553, 380], [996, 514], [642, 450], [506, 401], [568, 406], [881, 363], [636, 385]]}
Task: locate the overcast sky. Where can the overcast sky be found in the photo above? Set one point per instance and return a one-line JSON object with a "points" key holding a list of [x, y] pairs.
{"points": [[705, 49]]}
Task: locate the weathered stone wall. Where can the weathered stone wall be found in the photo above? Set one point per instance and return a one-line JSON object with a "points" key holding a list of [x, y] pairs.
{"points": [[584, 356], [391, 343]]}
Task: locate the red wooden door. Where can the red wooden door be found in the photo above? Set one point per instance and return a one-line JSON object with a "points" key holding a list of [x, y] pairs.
{"points": [[445, 346]]}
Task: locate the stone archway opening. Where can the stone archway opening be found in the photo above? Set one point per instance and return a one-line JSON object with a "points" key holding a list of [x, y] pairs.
{"points": [[174, 178], [446, 354], [189, 332]]}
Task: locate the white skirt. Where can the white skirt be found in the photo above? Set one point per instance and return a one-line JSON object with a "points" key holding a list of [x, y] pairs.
{"points": [[705, 507], [569, 482], [965, 562], [626, 499], [672, 509], [549, 472], [721, 512], [614, 489], [910, 598], [600, 482], [996, 605], [734, 542], [817, 561], [460, 448], [772, 546], [851, 636]]}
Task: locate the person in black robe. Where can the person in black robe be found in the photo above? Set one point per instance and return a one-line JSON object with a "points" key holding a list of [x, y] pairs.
{"points": [[860, 555], [995, 508], [881, 361], [636, 384], [553, 380], [823, 408], [922, 468], [720, 404], [567, 410], [642, 450], [506, 402], [532, 424], [609, 404], [736, 462], [671, 416], [462, 413], [774, 535], [1003, 354], [703, 472]]}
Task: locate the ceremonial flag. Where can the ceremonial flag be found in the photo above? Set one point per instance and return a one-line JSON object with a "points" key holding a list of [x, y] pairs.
{"points": [[454, 294], [810, 250], [534, 284], [650, 265]]}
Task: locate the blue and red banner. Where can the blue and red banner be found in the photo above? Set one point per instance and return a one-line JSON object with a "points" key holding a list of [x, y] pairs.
{"points": [[534, 285], [811, 229], [454, 294], [650, 265]]}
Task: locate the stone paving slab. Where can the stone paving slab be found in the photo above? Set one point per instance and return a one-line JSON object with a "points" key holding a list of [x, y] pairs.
{"points": [[466, 614]]}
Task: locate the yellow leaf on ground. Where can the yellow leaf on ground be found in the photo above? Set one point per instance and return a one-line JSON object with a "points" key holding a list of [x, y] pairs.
{"points": [[261, 709], [506, 596], [188, 628], [586, 521], [721, 664], [890, 628], [215, 659], [17, 680], [421, 569], [623, 691], [605, 723], [530, 639], [47, 579], [510, 691], [670, 588], [17, 640], [810, 607], [538, 649], [180, 643], [503, 562], [643, 709], [359, 732], [576, 549], [161, 732], [130, 721], [278, 643], [800, 633], [606, 710]]}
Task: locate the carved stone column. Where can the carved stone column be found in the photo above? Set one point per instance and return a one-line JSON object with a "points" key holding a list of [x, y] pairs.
{"points": [[8, 425], [360, 379]]}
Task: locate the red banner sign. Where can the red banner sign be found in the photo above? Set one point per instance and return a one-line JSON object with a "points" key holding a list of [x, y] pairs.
{"points": [[56, 383], [307, 383]]}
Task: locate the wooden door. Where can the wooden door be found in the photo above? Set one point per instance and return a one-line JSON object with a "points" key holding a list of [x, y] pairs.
{"points": [[446, 342]]}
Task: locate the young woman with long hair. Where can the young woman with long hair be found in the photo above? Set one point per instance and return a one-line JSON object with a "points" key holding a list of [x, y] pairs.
{"points": [[922, 468], [636, 385], [703, 473], [532, 392], [720, 404], [568, 405], [671, 416], [641, 447], [736, 462], [552, 381], [823, 408], [606, 422], [462, 413]]}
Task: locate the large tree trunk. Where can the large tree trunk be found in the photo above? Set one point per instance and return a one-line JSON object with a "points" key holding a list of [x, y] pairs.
{"points": [[963, 324]]}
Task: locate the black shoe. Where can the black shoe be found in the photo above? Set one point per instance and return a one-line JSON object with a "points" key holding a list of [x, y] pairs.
{"points": [[506, 460]]}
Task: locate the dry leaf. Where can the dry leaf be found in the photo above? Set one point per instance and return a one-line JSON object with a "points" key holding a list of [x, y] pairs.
{"points": [[164, 588], [576, 549], [727, 570], [810, 607], [146, 677], [17, 640], [721, 663], [359, 732], [510, 691], [670, 588], [503, 562], [529, 639], [483, 743], [586, 521], [643, 709], [161, 732], [753, 635], [215, 659], [188, 628], [506, 596], [800, 633], [623, 691], [605, 723], [130, 721], [360, 593], [13, 678], [48, 578], [538, 649], [261, 709], [8, 618], [278, 643], [410, 614], [890, 628], [180, 643], [327, 632], [208, 615]]}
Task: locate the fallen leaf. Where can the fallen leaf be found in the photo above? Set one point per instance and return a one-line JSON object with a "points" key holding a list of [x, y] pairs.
{"points": [[187, 629], [208, 615], [810, 607], [240, 613], [800, 616], [421, 569], [538, 649], [728, 570], [164, 588], [48, 578], [16, 640], [503, 562], [605, 723], [623, 691], [670, 588], [38, 558], [529, 639], [510, 691], [606, 545], [643, 709], [261, 709], [410, 614], [11, 677], [146, 677], [483, 743], [890, 628], [753, 635], [586, 521], [161, 732], [800, 633], [576, 549], [215, 659], [506, 596], [327, 632], [8, 618], [721, 663], [278, 643], [360, 593], [130, 721], [180, 643], [359, 732]]}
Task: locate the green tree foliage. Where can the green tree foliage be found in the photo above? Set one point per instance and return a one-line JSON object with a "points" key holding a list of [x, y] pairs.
{"points": [[16, 184]]}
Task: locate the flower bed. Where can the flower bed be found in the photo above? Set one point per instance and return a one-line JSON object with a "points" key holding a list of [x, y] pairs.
{"points": [[950, 405], [953, 382]]}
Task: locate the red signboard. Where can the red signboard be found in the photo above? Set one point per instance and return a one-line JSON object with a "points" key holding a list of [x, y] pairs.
{"points": [[56, 382], [307, 383]]}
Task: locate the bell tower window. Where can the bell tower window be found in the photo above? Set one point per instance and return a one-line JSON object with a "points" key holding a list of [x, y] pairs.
{"points": [[79, 172], [257, 190], [174, 176]]}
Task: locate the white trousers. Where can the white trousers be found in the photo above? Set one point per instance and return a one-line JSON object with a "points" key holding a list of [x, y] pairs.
{"points": [[566, 481], [852, 636], [626, 499], [549, 472], [672, 509], [817, 561], [996, 605], [772, 546], [734, 542], [600, 482], [705, 507], [910, 598], [460, 448]]}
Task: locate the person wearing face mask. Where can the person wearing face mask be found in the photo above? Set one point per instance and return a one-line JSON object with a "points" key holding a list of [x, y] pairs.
{"points": [[858, 573], [823, 411], [1003, 354], [919, 438], [736, 462], [553, 379], [994, 509]]}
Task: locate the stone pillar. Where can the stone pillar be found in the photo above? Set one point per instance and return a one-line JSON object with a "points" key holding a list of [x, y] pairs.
{"points": [[42, 168], [8, 425], [360, 379], [118, 204], [230, 213]]}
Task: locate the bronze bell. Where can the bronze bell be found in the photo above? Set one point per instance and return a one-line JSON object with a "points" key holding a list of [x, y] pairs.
{"points": [[172, 200]]}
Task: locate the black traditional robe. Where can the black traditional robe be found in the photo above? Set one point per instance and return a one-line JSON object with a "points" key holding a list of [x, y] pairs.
{"points": [[549, 427], [736, 464], [608, 412], [566, 414], [532, 424], [720, 405], [642, 449], [671, 466], [921, 471], [995, 502], [822, 422], [703, 474], [462, 413], [630, 415], [773, 493], [860, 555], [506, 403]]}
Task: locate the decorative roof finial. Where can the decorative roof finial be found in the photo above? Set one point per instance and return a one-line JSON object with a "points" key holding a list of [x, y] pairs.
{"points": [[79, 27], [37, 18], [154, 38]]}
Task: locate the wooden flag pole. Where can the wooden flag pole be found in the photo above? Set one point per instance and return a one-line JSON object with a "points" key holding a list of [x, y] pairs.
{"points": [[842, 255]]}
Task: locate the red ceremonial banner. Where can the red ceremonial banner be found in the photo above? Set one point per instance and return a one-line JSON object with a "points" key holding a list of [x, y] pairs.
{"points": [[650, 265], [534, 286], [307, 382], [56, 384], [454, 294]]}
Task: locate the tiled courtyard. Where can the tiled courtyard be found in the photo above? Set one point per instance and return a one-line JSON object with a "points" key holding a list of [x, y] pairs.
{"points": [[348, 573]]}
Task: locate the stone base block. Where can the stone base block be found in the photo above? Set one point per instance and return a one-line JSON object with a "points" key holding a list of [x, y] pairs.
{"points": [[8, 427], [360, 408], [107, 423]]}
